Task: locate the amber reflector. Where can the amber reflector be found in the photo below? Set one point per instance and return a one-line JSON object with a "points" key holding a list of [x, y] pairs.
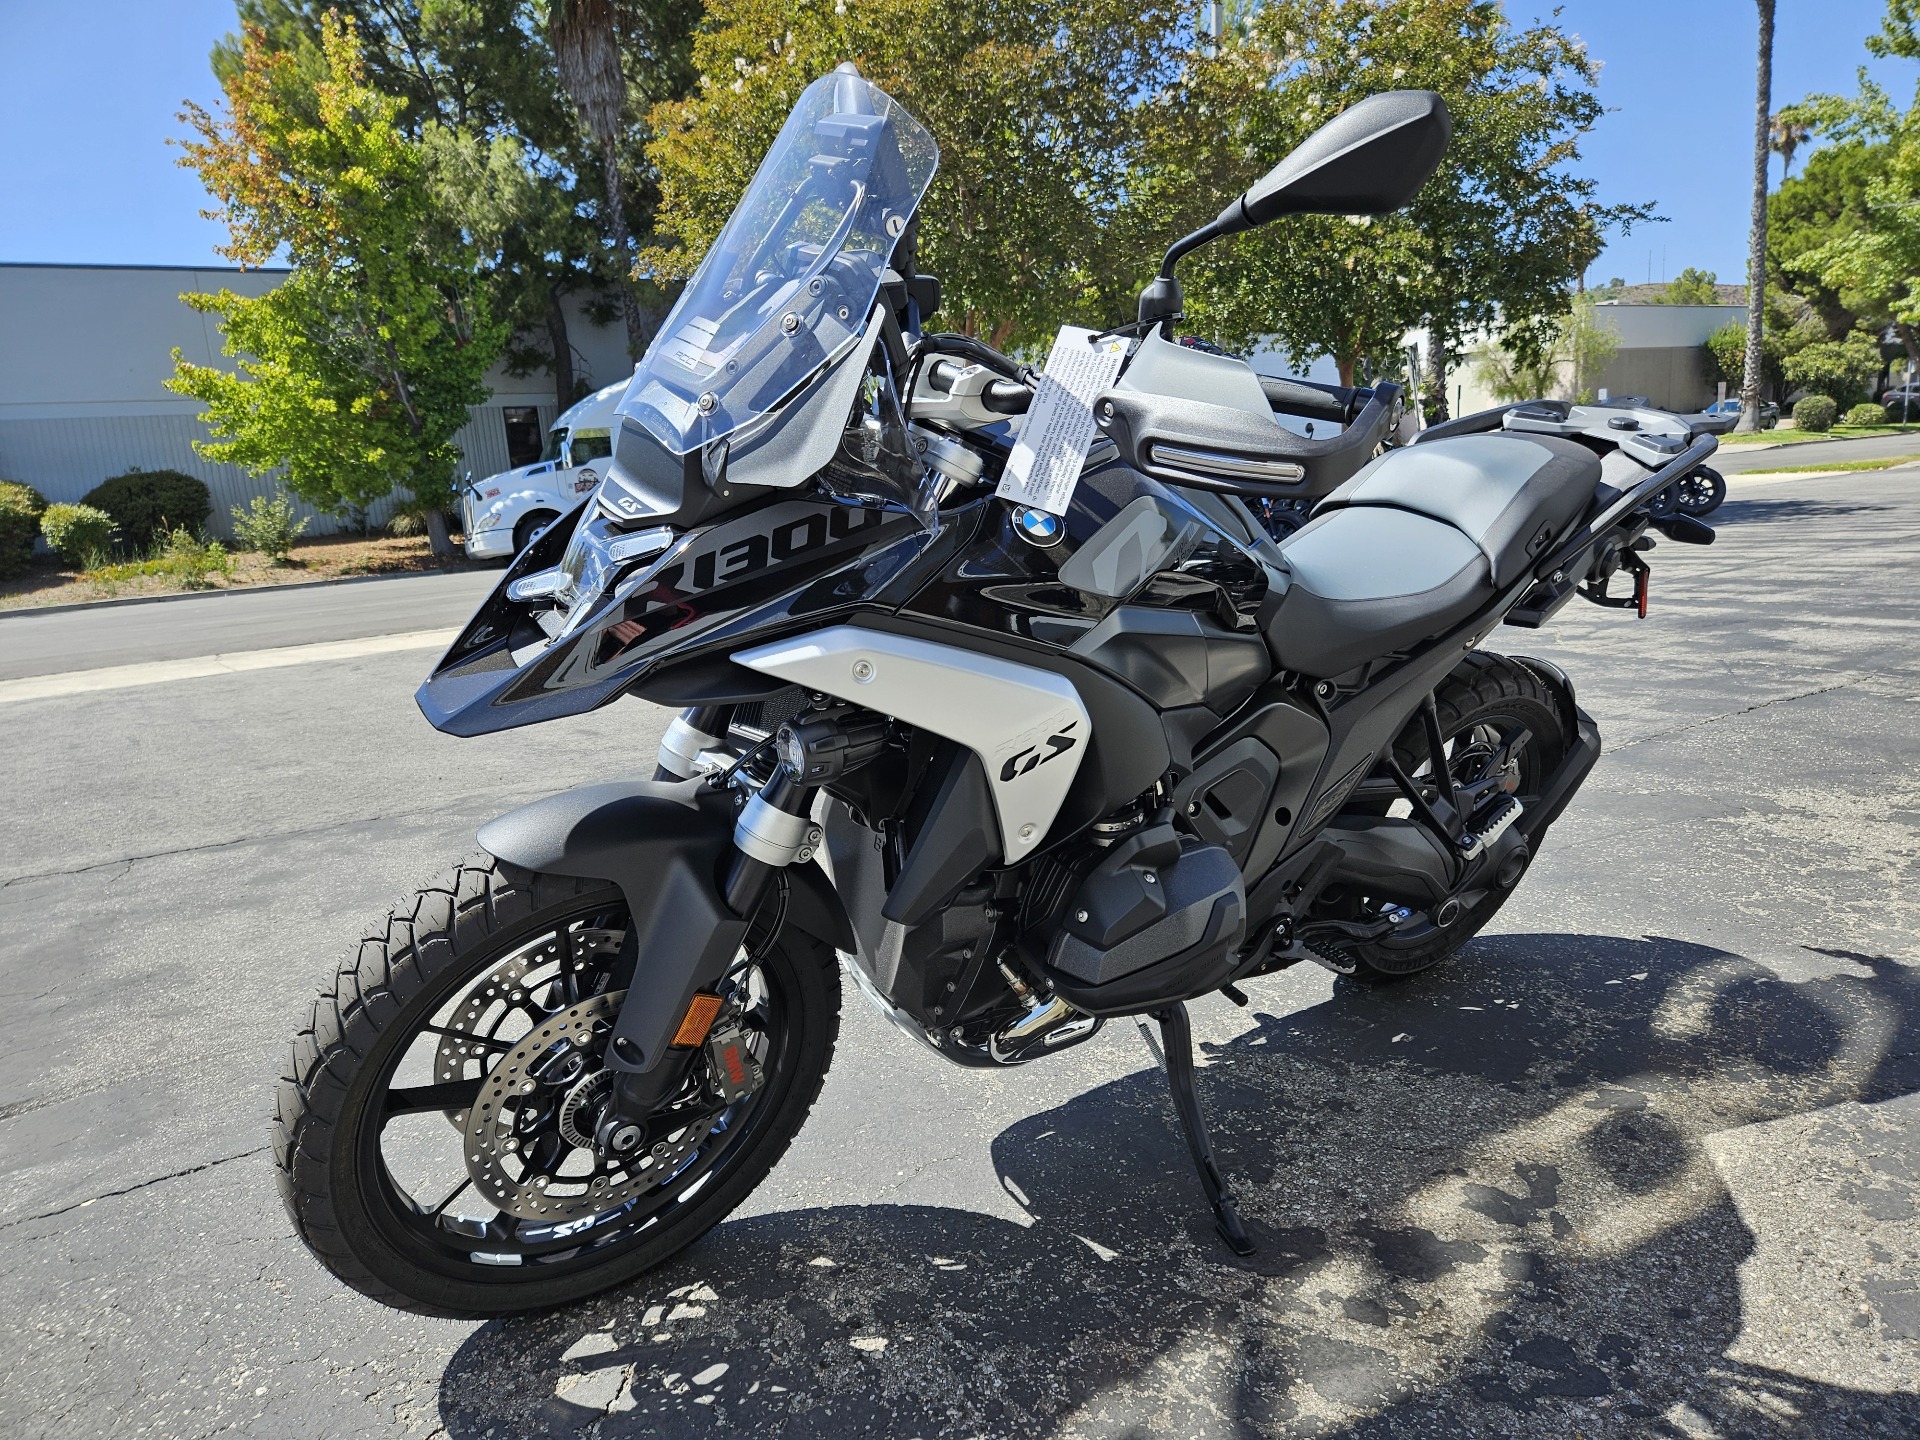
{"points": [[697, 1021]]}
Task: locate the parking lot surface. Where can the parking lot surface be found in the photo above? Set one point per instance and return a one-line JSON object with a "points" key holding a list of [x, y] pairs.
{"points": [[1644, 1160]]}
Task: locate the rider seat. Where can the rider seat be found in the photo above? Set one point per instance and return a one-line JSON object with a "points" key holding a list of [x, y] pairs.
{"points": [[1419, 540]]}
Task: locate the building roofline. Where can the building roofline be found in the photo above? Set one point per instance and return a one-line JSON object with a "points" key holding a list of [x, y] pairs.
{"points": [[96, 265]]}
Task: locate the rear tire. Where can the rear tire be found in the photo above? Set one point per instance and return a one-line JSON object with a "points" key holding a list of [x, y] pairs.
{"points": [[1701, 493], [1485, 694], [358, 1206]]}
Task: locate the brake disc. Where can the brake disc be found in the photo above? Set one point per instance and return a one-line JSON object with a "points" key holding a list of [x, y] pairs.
{"points": [[517, 1089], [502, 995]]}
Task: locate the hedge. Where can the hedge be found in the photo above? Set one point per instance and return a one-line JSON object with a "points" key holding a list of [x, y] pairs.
{"points": [[1815, 413], [21, 507], [147, 504]]}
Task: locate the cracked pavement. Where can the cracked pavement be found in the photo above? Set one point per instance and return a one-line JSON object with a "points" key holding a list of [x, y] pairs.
{"points": [[1643, 1161]]}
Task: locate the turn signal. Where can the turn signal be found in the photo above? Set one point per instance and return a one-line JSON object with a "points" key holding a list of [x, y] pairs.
{"points": [[697, 1021]]}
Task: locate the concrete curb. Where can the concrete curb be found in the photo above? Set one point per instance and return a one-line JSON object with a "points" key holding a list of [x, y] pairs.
{"points": [[11, 611]]}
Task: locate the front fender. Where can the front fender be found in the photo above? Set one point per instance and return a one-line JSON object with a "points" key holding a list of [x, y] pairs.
{"points": [[664, 844]]}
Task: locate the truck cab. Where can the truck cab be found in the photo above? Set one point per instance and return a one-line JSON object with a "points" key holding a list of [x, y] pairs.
{"points": [[503, 512]]}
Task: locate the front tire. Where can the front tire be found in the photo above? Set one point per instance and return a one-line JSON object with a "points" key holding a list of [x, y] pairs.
{"points": [[1486, 697], [450, 985], [529, 527]]}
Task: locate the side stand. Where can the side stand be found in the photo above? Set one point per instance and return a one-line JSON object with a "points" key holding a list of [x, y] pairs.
{"points": [[1177, 1036]]}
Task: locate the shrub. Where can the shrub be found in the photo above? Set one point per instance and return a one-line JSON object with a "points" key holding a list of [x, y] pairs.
{"points": [[267, 525], [81, 535], [182, 556], [1815, 413], [21, 507], [148, 505], [1867, 415]]}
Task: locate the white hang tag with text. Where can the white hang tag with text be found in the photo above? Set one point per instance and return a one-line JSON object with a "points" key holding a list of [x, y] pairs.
{"points": [[1058, 431]]}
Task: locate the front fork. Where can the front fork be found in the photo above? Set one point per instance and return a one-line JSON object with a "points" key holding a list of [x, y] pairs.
{"points": [[774, 829]]}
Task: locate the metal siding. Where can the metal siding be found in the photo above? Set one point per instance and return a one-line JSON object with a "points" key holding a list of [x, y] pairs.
{"points": [[64, 459]]}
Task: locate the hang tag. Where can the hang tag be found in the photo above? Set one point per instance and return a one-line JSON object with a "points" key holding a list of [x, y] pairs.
{"points": [[1047, 458]]}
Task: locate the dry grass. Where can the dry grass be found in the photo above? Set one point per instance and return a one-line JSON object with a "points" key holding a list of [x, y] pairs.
{"points": [[330, 557]]}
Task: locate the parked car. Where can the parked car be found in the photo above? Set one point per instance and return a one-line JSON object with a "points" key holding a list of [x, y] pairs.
{"points": [[1907, 391], [503, 512], [1769, 412]]}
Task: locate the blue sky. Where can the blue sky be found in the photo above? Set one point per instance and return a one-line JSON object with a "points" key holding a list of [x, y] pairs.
{"points": [[87, 175]]}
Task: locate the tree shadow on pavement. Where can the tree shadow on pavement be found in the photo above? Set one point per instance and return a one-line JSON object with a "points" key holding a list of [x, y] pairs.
{"points": [[1492, 1201], [1749, 511]]}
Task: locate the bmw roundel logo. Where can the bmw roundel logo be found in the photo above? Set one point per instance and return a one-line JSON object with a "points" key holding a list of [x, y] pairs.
{"points": [[1037, 527]]}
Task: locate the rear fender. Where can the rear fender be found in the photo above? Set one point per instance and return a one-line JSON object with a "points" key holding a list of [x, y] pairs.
{"points": [[663, 843]]}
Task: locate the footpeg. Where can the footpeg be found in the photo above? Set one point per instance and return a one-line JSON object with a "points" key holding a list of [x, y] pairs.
{"points": [[1474, 844]]}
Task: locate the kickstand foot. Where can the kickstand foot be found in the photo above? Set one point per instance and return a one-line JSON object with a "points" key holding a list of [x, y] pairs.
{"points": [[1177, 1040]]}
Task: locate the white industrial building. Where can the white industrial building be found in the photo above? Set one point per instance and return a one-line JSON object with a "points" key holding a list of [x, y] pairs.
{"points": [[1659, 352], [85, 349]]}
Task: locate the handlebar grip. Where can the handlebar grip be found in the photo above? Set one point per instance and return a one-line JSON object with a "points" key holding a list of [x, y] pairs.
{"points": [[1295, 397]]}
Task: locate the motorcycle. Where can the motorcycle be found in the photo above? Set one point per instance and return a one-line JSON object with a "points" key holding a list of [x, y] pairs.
{"points": [[1010, 771]]}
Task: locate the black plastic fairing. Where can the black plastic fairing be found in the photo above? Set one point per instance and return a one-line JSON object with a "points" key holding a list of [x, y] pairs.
{"points": [[768, 566], [956, 834], [662, 844]]}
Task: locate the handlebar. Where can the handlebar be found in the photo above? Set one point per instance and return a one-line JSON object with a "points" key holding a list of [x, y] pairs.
{"points": [[1003, 397], [1314, 401]]}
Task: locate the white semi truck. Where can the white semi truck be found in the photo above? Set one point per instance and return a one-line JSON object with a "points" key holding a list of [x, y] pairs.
{"points": [[503, 512]]}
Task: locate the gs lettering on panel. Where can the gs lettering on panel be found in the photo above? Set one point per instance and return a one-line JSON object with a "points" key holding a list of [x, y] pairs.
{"points": [[1024, 761], [760, 542]]}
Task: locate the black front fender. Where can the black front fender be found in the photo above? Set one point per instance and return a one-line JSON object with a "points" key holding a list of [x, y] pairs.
{"points": [[665, 845]]}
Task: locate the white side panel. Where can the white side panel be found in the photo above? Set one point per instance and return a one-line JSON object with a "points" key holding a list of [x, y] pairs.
{"points": [[1027, 725]]}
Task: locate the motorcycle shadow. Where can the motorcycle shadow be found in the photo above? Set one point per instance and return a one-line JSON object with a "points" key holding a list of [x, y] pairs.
{"points": [[1566, 1184]]}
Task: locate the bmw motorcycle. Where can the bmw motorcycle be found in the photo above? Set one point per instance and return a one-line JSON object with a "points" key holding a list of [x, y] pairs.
{"points": [[1010, 772]]}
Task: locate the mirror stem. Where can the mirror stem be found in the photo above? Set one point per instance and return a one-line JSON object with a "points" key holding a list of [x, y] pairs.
{"points": [[1162, 300]]}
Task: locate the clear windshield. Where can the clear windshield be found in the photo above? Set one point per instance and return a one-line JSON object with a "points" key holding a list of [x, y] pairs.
{"points": [[788, 286]]}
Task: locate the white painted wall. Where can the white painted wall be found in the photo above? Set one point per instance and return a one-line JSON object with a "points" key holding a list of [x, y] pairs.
{"points": [[84, 352]]}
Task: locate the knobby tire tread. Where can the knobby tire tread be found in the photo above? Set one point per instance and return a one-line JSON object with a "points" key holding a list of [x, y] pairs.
{"points": [[420, 940]]}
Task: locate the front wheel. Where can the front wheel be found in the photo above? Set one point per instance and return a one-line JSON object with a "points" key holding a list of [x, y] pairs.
{"points": [[436, 1128]]}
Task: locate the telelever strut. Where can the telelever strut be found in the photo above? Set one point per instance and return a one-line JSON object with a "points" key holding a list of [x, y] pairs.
{"points": [[1177, 1037]]}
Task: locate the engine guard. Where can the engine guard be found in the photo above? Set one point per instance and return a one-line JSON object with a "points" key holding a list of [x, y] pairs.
{"points": [[663, 844]]}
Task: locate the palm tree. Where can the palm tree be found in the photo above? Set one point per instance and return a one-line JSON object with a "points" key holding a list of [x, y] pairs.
{"points": [[586, 50], [1757, 240], [1784, 136]]}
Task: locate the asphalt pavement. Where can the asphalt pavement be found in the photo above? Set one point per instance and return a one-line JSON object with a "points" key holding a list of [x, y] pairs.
{"points": [[1644, 1160], [36, 642], [1739, 459]]}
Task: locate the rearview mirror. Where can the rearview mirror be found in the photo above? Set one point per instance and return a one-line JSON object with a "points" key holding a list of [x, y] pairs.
{"points": [[1370, 159]]}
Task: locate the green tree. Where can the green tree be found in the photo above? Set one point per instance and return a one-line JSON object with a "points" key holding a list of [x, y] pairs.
{"points": [[1496, 240], [1691, 287], [1826, 202], [1036, 107], [1570, 368], [1841, 370], [1871, 258], [1757, 228], [357, 370], [512, 166]]}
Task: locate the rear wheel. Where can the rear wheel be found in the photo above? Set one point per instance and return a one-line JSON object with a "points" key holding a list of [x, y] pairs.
{"points": [[1701, 492], [1484, 705], [436, 1127]]}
